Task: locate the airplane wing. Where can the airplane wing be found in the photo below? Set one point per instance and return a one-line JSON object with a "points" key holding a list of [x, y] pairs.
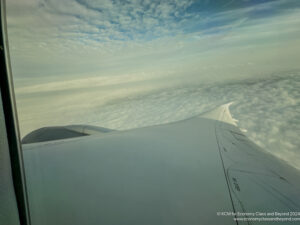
{"points": [[178, 173]]}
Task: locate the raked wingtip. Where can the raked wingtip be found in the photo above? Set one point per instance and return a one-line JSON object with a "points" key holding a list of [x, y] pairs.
{"points": [[221, 113]]}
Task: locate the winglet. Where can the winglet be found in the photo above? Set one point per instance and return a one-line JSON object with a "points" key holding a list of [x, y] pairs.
{"points": [[221, 113]]}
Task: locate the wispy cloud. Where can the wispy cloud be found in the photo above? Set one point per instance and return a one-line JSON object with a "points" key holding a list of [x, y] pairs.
{"points": [[84, 36]]}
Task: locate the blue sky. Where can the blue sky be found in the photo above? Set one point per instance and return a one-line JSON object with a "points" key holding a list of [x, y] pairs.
{"points": [[53, 37]]}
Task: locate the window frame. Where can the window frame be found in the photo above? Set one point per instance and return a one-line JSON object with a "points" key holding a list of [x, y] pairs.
{"points": [[11, 123]]}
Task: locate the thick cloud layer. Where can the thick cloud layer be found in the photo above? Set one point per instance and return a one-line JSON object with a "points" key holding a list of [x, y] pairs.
{"points": [[268, 108]]}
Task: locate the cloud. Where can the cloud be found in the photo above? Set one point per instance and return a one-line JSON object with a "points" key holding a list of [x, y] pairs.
{"points": [[81, 37], [267, 107], [125, 64]]}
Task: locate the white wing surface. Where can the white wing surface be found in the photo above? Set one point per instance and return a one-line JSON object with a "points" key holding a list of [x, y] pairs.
{"points": [[177, 173]]}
